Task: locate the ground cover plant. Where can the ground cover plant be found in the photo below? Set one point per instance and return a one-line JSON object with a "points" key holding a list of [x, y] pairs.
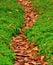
{"points": [[11, 19], [42, 31]]}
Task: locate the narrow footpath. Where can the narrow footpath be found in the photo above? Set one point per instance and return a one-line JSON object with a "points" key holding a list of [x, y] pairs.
{"points": [[25, 51]]}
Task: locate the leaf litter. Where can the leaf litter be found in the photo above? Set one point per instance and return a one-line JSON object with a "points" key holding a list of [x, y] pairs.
{"points": [[25, 51]]}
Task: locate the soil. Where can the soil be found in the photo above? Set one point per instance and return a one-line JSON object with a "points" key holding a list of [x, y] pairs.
{"points": [[25, 51]]}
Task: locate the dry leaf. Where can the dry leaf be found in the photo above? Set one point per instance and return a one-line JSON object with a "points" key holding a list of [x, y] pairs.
{"points": [[23, 50]]}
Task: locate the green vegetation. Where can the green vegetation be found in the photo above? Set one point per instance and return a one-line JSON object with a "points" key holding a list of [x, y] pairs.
{"points": [[11, 19], [42, 31]]}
